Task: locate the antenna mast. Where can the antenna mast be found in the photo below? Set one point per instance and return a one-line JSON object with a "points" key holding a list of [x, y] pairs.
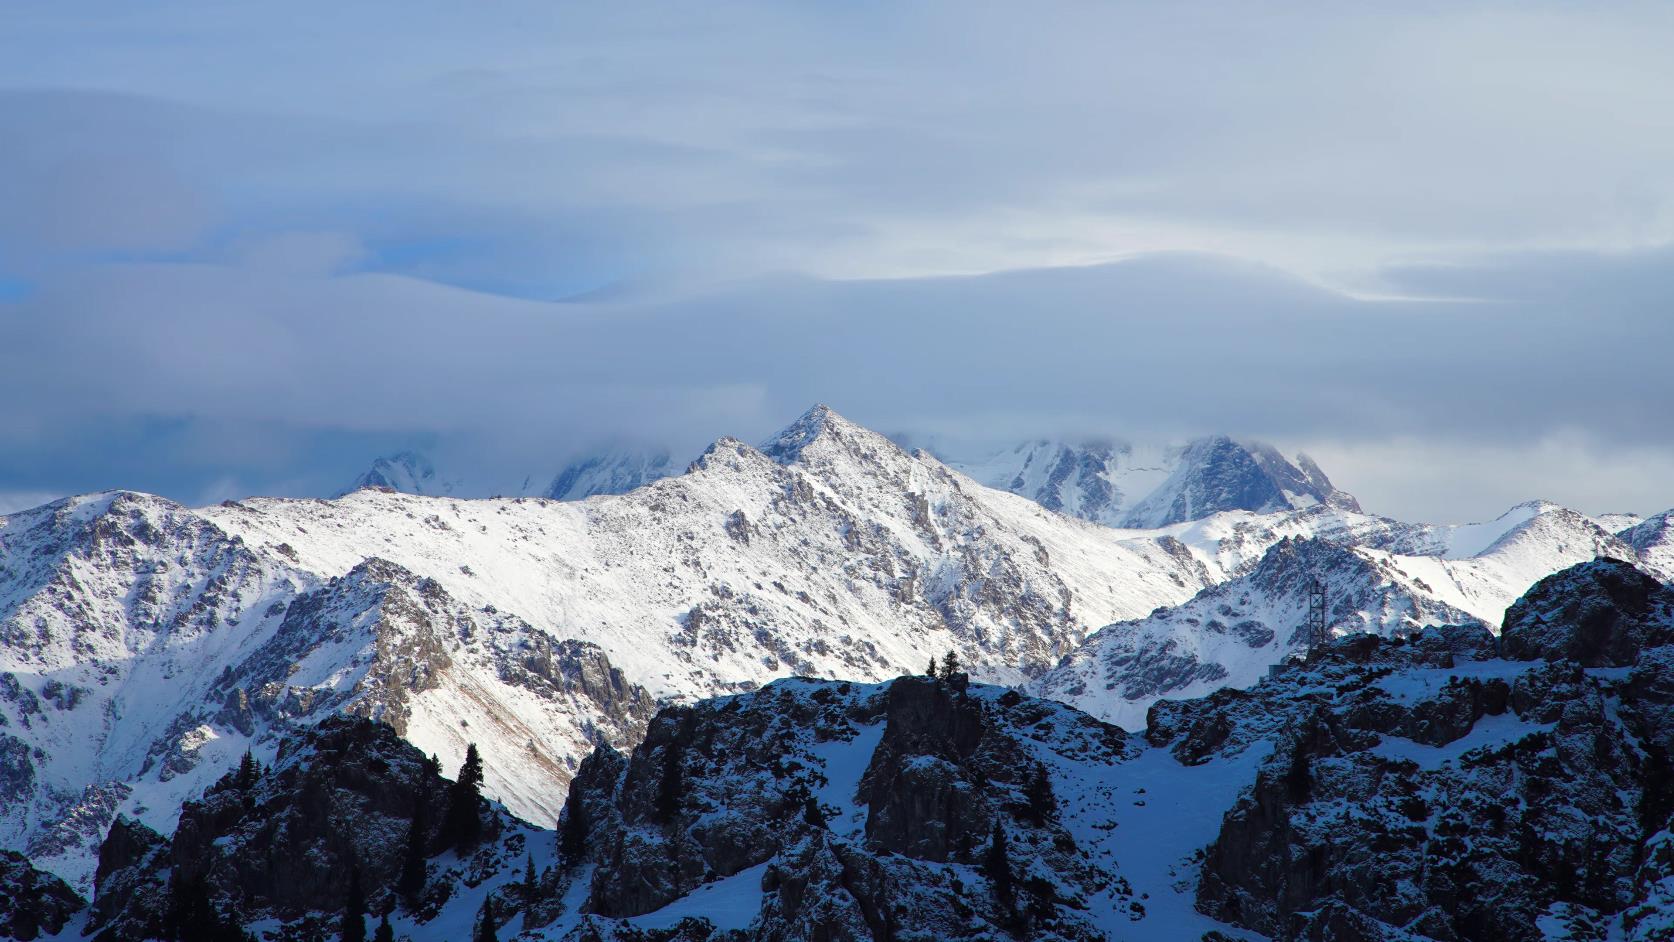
{"points": [[1316, 617]]}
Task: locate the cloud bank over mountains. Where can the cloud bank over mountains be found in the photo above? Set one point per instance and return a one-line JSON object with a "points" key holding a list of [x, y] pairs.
{"points": [[239, 255]]}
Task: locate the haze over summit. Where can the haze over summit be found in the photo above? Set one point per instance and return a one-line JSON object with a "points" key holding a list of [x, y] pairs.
{"points": [[1429, 247]]}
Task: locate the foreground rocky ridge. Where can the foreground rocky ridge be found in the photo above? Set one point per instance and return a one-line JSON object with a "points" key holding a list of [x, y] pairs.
{"points": [[1416, 792], [922, 808], [348, 815], [1445, 785]]}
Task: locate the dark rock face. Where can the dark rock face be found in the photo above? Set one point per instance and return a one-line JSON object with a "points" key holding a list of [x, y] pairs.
{"points": [[338, 797], [1370, 822], [758, 780], [1601, 614], [33, 903], [131, 886]]}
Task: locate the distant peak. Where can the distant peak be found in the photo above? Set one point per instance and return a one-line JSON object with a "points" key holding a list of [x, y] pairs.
{"points": [[811, 426]]}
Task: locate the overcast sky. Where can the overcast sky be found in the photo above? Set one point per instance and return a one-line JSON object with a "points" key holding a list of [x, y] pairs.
{"points": [[246, 249]]}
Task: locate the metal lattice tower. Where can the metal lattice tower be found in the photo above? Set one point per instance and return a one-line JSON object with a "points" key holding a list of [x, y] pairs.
{"points": [[1316, 617]]}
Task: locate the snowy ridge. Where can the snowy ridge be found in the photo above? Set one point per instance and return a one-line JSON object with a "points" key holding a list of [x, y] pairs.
{"points": [[154, 649], [1653, 541], [1232, 632], [1123, 485]]}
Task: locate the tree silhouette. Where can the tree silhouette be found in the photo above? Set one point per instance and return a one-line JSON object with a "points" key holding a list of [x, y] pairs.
{"points": [[354, 908], [996, 865], [411, 881], [485, 922], [951, 666], [1043, 805], [462, 828]]}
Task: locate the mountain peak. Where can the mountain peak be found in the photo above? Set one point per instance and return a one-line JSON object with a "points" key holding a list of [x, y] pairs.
{"points": [[617, 471], [819, 422], [406, 471]]}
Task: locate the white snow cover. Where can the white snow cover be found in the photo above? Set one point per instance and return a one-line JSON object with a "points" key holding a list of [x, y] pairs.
{"points": [[1374, 578], [127, 621]]}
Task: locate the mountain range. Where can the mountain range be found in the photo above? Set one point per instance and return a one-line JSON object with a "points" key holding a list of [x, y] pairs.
{"points": [[145, 646], [1443, 785], [1115, 484]]}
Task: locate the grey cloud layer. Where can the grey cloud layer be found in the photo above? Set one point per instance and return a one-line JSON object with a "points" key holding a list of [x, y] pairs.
{"points": [[251, 248]]}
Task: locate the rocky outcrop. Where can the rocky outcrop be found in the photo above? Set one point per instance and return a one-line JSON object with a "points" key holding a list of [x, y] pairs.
{"points": [[1599, 614], [871, 812], [337, 805], [1472, 800], [33, 903]]}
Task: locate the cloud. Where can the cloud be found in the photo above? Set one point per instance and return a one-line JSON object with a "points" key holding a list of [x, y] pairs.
{"points": [[241, 249], [253, 360]]}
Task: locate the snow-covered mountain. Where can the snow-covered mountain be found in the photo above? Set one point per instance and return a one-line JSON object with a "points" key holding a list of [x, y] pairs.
{"points": [[1124, 485], [614, 472], [1653, 540], [1378, 576], [1439, 786], [407, 471], [145, 645]]}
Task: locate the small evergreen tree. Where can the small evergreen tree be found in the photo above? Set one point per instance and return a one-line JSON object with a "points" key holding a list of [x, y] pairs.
{"points": [[996, 865], [934, 670], [485, 922], [354, 908], [385, 932], [249, 772], [951, 666], [1043, 804], [531, 884], [411, 881], [463, 826]]}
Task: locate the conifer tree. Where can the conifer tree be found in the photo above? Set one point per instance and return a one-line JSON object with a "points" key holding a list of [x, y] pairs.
{"points": [[385, 932], [951, 666], [1043, 804], [463, 827], [530, 883], [411, 881], [996, 865], [354, 908], [249, 772], [485, 922], [933, 672]]}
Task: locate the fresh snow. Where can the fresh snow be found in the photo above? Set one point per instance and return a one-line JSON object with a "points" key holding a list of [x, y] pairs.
{"points": [[730, 903]]}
